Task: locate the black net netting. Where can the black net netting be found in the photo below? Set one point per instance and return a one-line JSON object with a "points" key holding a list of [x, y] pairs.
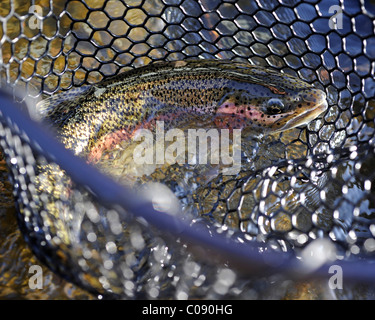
{"points": [[303, 203]]}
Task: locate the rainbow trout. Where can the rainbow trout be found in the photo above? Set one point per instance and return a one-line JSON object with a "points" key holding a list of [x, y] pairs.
{"points": [[220, 94], [98, 123]]}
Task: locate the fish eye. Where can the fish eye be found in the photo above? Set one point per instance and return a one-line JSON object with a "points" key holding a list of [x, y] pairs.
{"points": [[274, 106]]}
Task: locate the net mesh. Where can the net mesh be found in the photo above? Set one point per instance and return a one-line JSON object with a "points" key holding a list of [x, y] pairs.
{"points": [[311, 183]]}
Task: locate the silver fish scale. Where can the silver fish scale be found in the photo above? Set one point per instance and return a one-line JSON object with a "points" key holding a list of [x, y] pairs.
{"points": [[300, 186]]}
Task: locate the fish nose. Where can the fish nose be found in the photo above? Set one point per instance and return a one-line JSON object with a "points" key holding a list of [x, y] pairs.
{"points": [[316, 96]]}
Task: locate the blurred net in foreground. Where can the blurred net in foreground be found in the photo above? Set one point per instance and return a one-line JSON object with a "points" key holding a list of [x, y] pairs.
{"points": [[315, 183]]}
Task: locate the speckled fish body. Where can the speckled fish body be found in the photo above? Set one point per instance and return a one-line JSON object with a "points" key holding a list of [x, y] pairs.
{"points": [[219, 93]]}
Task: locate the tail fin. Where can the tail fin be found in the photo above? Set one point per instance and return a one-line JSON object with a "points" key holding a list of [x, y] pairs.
{"points": [[52, 109]]}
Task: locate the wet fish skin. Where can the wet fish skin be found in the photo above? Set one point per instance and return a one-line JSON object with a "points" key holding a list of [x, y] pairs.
{"points": [[223, 94]]}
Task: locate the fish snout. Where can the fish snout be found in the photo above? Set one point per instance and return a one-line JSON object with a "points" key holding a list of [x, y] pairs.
{"points": [[316, 96], [314, 99]]}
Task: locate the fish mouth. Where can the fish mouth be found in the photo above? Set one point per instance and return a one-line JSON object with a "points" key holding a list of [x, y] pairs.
{"points": [[304, 117]]}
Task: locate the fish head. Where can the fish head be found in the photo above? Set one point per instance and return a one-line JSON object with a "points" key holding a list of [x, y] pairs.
{"points": [[270, 102], [293, 110]]}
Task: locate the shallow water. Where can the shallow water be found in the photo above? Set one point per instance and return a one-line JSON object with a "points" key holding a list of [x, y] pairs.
{"points": [[16, 258]]}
